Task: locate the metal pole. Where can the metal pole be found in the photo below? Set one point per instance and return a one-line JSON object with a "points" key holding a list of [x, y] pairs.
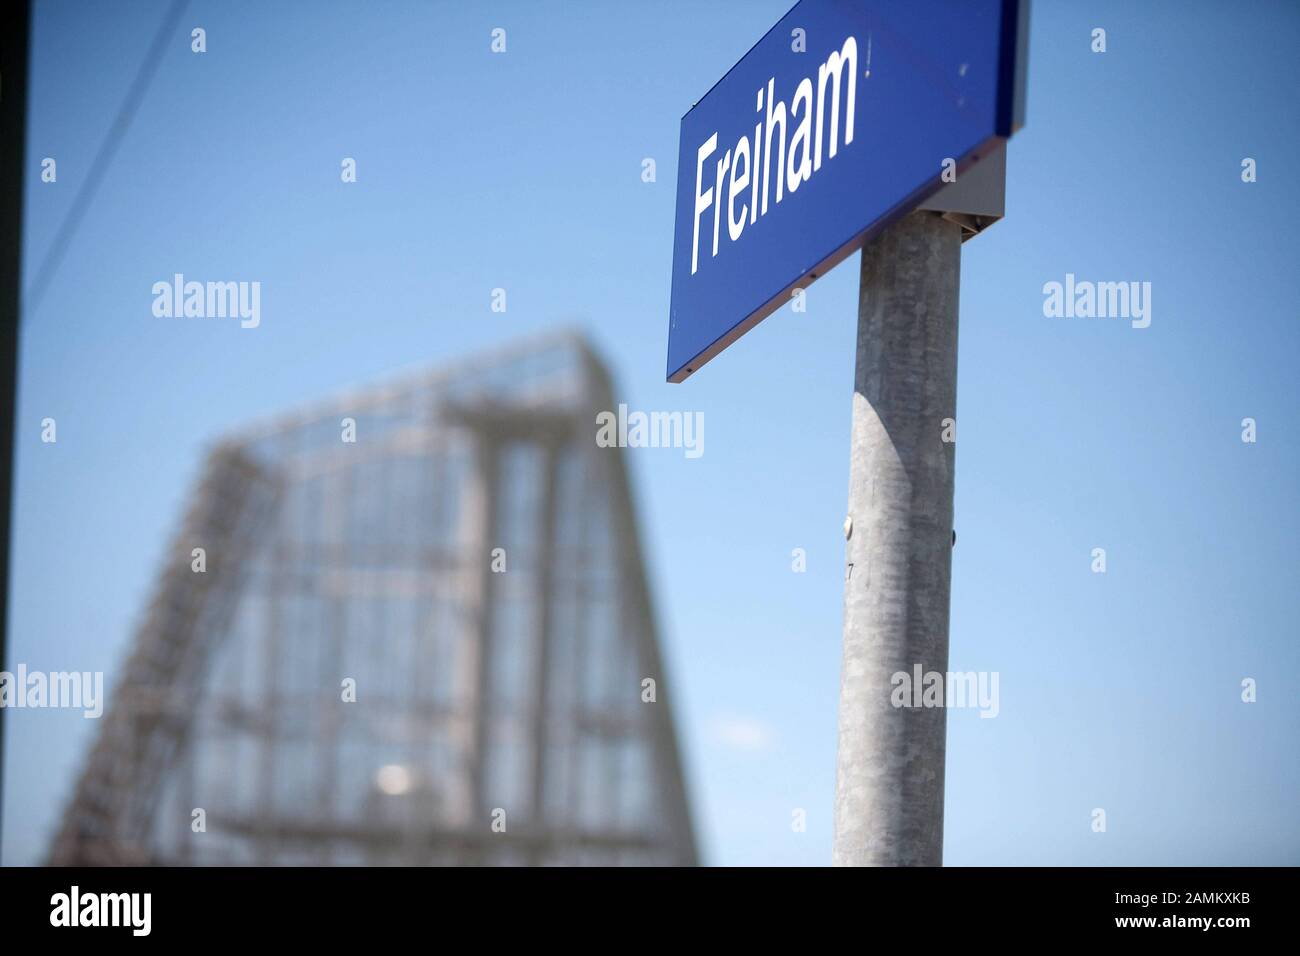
{"points": [[889, 763]]}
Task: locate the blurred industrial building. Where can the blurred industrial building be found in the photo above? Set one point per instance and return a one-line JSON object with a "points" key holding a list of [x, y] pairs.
{"points": [[427, 645]]}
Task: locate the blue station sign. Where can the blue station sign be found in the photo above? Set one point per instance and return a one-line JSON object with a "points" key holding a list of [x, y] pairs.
{"points": [[842, 118]]}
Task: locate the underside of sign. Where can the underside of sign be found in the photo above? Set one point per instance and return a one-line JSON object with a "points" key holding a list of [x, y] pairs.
{"points": [[977, 198], [860, 111]]}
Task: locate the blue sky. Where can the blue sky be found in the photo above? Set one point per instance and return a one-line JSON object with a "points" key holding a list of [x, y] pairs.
{"points": [[523, 171]]}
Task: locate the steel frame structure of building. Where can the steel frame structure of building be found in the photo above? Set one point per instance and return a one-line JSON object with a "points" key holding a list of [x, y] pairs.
{"points": [[431, 644]]}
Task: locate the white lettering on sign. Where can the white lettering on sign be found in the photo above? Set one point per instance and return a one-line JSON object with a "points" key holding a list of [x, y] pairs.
{"points": [[750, 165]]}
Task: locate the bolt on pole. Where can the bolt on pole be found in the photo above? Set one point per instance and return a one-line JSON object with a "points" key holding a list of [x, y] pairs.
{"points": [[890, 760]]}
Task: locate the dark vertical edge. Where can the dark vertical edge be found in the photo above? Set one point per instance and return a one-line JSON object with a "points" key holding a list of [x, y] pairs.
{"points": [[13, 145], [1022, 67], [1013, 62]]}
